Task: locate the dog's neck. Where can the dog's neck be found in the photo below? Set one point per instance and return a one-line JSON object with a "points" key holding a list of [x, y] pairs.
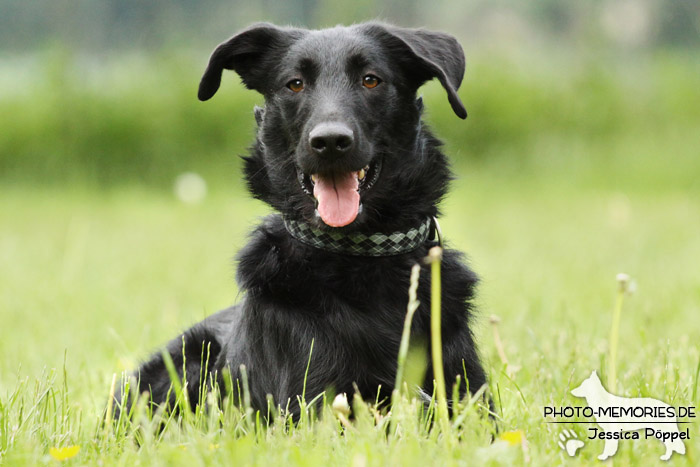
{"points": [[363, 244], [598, 396]]}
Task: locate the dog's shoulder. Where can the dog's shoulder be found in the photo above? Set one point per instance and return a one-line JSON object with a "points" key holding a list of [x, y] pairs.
{"points": [[275, 265], [259, 259]]}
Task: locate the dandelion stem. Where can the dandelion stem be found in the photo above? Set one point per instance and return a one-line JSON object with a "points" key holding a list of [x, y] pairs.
{"points": [[413, 305], [623, 281], [306, 373], [494, 320], [435, 260]]}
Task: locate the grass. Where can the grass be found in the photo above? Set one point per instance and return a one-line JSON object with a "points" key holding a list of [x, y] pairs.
{"points": [[105, 277], [98, 271]]}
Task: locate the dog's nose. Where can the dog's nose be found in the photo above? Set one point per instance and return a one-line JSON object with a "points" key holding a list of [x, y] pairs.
{"points": [[331, 139]]}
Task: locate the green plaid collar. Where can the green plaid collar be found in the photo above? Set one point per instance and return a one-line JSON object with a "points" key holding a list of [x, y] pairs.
{"points": [[360, 244]]}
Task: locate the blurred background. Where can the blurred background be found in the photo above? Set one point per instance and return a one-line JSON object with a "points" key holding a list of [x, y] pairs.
{"points": [[104, 92], [122, 202]]}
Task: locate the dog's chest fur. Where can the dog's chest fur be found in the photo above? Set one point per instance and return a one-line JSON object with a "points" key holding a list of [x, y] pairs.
{"points": [[352, 308]]}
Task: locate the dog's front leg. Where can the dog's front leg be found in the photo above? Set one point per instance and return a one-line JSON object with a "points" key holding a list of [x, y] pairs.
{"points": [[194, 355], [609, 449]]}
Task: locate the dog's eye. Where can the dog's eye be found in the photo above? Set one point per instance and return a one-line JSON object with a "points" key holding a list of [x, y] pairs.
{"points": [[296, 85], [371, 81]]}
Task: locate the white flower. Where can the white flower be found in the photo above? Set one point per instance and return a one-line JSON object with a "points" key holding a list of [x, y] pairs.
{"points": [[626, 284], [190, 188], [340, 404]]}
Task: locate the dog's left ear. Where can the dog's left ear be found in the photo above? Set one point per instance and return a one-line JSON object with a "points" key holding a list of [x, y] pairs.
{"points": [[425, 55], [252, 54]]}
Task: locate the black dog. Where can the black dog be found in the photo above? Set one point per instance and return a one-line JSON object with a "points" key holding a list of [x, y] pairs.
{"points": [[343, 156]]}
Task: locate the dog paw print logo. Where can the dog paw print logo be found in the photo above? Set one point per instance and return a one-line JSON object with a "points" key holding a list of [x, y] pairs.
{"points": [[569, 442]]}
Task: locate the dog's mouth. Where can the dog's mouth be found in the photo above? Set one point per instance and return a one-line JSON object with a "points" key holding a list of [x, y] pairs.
{"points": [[339, 194]]}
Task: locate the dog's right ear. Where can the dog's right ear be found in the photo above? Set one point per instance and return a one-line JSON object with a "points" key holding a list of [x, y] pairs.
{"points": [[425, 55], [252, 54]]}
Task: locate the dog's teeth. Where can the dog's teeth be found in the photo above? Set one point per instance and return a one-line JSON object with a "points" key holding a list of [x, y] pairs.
{"points": [[367, 167], [361, 174], [314, 177]]}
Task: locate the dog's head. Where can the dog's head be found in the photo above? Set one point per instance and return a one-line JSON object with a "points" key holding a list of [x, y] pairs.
{"points": [[588, 387], [340, 141]]}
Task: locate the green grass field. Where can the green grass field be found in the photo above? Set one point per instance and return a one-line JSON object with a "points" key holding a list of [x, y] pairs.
{"points": [[96, 275]]}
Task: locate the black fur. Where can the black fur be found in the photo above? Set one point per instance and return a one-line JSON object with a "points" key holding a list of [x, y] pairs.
{"points": [[352, 307]]}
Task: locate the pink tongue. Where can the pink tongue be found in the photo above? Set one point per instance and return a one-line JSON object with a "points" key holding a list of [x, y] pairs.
{"points": [[338, 199]]}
